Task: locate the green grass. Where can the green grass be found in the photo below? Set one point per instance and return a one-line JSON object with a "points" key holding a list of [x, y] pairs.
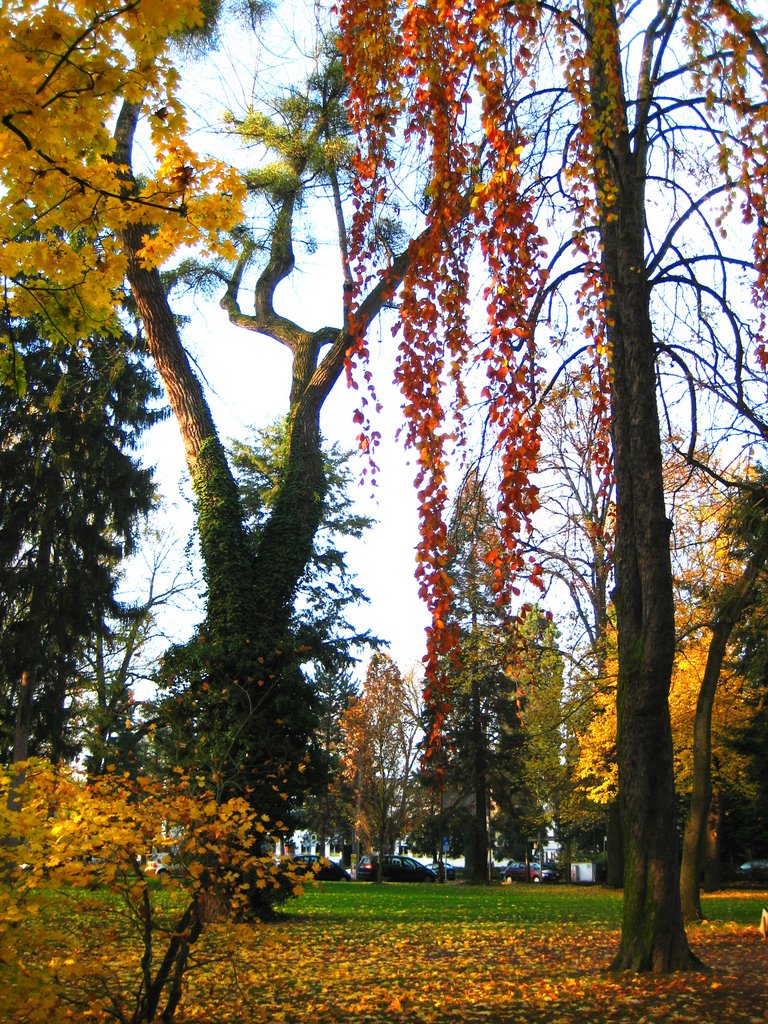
{"points": [[519, 954], [358, 953], [519, 905]]}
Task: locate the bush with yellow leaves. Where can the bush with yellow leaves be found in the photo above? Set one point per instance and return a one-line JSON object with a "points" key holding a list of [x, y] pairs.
{"points": [[85, 932]]}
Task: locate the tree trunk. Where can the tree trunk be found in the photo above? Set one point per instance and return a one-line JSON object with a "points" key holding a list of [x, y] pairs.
{"points": [[712, 872], [615, 874], [21, 738], [653, 935], [254, 710], [730, 606], [478, 837], [260, 704], [226, 553]]}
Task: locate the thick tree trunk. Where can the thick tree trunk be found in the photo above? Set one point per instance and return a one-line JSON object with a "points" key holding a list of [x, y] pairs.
{"points": [[653, 936], [615, 876], [730, 607]]}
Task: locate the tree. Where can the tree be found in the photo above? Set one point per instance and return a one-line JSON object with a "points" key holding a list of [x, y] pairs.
{"points": [[72, 496], [573, 541], [64, 202], [65, 197], [746, 816], [100, 830], [243, 654], [72, 73], [531, 783], [382, 730], [324, 594], [729, 602], [586, 119], [113, 722], [328, 810], [326, 590], [481, 693]]}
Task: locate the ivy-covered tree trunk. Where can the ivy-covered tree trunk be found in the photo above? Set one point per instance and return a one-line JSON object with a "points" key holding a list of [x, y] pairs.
{"points": [[228, 559], [653, 935], [227, 556], [251, 708], [255, 723]]}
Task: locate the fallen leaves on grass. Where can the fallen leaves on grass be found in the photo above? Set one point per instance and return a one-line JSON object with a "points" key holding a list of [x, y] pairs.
{"points": [[369, 971]]}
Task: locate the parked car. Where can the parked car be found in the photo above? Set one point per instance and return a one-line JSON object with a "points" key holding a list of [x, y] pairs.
{"points": [[753, 871], [394, 868], [516, 871], [328, 870], [449, 869], [161, 865]]}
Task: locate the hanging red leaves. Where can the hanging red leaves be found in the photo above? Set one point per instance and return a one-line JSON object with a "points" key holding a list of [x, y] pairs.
{"points": [[416, 70]]}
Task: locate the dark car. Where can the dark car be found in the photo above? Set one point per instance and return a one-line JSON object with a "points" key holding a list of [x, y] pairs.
{"points": [[394, 868], [753, 871], [449, 869], [516, 871], [328, 870]]}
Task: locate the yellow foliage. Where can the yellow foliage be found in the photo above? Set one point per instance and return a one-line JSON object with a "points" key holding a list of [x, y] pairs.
{"points": [[596, 769], [727, 713], [64, 71], [73, 885]]}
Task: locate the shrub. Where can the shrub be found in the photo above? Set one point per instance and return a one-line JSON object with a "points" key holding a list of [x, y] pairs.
{"points": [[82, 927]]}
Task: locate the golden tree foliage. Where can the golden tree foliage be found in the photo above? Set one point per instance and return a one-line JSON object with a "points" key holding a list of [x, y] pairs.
{"points": [[596, 769], [83, 930], [705, 564], [382, 728], [63, 70], [729, 712]]}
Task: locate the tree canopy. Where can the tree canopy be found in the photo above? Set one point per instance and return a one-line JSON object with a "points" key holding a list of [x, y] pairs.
{"points": [[597, 171]]}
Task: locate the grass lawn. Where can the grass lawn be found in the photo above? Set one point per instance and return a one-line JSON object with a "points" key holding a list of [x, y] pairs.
{"points": [[520, 954], [356, 953]]}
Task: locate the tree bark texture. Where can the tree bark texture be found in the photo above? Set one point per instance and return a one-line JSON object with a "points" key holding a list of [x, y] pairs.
{"points": [[615, 876], [653, 935], [712, 871]]}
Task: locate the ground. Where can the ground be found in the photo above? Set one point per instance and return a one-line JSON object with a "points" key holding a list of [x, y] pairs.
{"points": [[358, 954]]}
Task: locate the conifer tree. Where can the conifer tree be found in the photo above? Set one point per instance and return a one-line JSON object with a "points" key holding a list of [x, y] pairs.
{"points": [[72, 493]]}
